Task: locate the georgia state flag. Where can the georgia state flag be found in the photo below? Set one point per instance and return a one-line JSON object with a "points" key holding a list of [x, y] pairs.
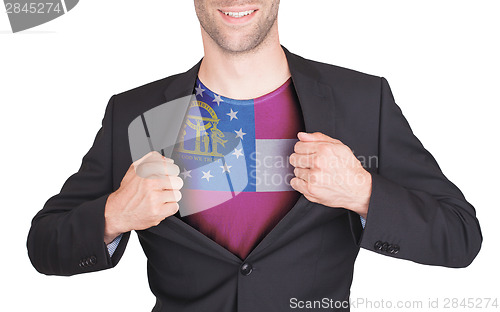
{"points": [[219, 156]]}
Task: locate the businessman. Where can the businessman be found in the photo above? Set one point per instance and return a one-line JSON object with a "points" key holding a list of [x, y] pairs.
{"points": [[225, 223]]}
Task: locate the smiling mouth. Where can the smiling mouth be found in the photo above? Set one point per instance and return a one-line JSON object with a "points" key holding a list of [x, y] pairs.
{"points": [[239, 14]]}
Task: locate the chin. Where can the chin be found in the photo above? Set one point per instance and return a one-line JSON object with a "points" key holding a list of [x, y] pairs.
{"points": [[238, 44]]}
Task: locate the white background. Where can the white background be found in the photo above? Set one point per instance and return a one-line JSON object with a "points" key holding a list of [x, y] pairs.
{"points": [[440, 58]]}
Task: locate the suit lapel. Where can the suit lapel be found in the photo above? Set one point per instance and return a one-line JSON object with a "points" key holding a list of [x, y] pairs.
{"points": [[316, 98], [182, 84], [317, 105]]}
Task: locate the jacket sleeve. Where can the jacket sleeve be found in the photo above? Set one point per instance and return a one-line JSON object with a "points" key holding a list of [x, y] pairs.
{"points": [[67, 236], [415, 212]]}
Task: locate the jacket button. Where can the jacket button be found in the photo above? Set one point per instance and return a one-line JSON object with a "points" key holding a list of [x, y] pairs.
{"points": [[93, 260], [395, 249], [390, 249], [246, 269], [378, 245], [385, 245], [83, 263]]}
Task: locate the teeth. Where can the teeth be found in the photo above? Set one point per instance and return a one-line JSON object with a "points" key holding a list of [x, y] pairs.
{"points": [[239, 14]]}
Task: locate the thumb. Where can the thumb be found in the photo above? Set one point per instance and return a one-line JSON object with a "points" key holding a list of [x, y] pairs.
{"points": [[316, 136]]}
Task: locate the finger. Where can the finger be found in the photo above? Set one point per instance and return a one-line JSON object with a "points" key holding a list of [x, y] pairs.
{"points": [[153, 170], [299, 185], [165, 183], [302, 187], [171, 183], [157, 157], [303, 147], [310, 147], [316, 136], [302, 161], [311, 176], [172, 169], [157, 170], [302, 173], [171, 208], [143, 158], [170, 196]]}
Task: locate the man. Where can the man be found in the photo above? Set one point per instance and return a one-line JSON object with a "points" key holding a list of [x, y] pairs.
{"points": [[264, 248]]}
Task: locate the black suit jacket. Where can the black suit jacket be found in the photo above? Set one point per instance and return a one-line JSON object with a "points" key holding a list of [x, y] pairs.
{"points": [[415, 212]]}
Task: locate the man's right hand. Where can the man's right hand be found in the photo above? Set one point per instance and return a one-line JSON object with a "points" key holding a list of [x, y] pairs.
{"points": [[148, 193]]}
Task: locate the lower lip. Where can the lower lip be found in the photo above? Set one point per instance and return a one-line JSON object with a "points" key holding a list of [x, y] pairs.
{"points": [[237, 20]]}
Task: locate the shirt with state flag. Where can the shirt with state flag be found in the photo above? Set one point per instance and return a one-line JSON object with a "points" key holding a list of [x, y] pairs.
{"points": [[234, 160]]}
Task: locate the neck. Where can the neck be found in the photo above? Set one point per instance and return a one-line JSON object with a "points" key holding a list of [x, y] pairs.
{"points": [[245, 75]]}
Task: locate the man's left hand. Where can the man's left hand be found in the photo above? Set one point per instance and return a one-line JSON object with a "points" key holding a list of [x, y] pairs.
{"points": [[327, 172]]}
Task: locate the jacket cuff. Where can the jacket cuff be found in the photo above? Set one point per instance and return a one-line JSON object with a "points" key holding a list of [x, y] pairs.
{"points": [[90, 252], [381, 215]]}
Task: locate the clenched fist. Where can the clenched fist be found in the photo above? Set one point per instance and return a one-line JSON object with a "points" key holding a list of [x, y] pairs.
{"points": [[327, 172], [148, 193]]}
